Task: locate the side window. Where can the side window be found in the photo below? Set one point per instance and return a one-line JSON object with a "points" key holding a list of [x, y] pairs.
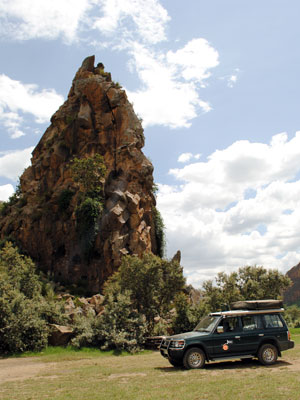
{"points": [[272, 321], [251, 322], [230, 324]]}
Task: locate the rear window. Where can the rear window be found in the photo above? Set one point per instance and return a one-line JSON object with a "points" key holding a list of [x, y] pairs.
{"points": [[272, 321], [251, 322]]}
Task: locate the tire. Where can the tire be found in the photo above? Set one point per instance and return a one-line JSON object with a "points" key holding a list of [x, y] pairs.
{"points": [[194, 358], [176, 363], [268, 354]]}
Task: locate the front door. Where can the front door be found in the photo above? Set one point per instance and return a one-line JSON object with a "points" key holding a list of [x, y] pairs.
{"points": [[227, 343]]}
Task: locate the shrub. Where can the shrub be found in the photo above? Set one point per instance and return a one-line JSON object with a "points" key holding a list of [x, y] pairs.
{"points": [[121, 327], [84, 331], [152, 283], [21, 328], [89, 172], [24, 312]]}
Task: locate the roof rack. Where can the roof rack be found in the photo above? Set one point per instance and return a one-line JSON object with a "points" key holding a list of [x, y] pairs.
{"points": [[257, 305], [234, 313]]}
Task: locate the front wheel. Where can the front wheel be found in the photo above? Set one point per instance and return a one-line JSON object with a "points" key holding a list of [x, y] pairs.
{"points": [[194, 358], [268, 354]]}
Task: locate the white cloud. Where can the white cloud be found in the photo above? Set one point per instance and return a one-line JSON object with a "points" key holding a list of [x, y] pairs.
{"points": [[211, 218], [185, 157], [74, 20], [6, 191], [148, 16], [170, 93], [30, 19], [194, 60], [13, 163], [17, 97], [170, 80]]}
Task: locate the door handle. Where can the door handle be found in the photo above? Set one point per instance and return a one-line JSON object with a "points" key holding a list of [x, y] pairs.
{"points": [[237, 337], [261, 334]]}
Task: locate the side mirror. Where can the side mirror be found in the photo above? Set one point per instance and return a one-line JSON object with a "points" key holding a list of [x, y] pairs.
{"points": [[220, 329]]}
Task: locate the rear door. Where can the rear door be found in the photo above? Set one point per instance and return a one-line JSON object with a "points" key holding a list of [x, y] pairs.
{"points": [[251, 334]]}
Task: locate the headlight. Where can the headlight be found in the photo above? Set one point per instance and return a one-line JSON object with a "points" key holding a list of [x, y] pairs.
{"points": [[177, 344]]}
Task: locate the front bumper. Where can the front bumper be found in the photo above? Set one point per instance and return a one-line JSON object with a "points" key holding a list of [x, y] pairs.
{"points": [[170, 352]]}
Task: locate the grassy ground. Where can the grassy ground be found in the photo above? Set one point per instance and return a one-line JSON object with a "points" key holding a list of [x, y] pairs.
{"points": [[93, 375]]}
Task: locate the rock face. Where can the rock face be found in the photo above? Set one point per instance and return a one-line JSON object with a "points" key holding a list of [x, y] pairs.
{"points": [[97, 118], [292, 294]]}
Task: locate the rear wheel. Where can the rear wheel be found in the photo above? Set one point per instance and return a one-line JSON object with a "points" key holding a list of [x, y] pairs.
{"points": [[176, 363], [194, 358], [268, 354]]}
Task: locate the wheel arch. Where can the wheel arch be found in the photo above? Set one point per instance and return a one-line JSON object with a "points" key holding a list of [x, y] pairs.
{"points": [[272, 341], [199, 346]]}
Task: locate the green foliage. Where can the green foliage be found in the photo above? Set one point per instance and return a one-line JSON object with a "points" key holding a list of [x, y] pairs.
{"points": [[21, 328], [159, 232], [187, 314], [24, 312], [89, 172], [121, 327], [292, 316], [64, 199], [84, 329], [87, 214], [249, 283], [152, 283]]}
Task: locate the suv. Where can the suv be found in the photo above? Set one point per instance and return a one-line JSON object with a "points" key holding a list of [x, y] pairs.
{"points": [[250, 329]]}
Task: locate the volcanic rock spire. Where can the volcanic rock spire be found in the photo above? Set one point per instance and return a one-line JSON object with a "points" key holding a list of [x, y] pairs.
{"points": [[97, 122]]}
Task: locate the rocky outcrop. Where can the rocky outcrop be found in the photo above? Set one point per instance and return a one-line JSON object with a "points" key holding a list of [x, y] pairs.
{"points": [[292, 294], [97, 118]]}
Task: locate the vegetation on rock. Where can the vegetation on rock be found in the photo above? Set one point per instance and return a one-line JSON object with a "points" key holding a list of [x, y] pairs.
{"points": [[159, 232], [89, 172]]}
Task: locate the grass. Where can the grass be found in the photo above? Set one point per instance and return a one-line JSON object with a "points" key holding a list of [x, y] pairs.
{"points": [[91, 374], [58, 354]]}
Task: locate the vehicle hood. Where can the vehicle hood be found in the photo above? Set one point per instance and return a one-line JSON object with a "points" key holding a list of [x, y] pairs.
{"points": [[188, 335]]}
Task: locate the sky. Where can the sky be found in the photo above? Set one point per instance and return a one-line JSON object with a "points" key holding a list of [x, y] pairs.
{"points": [[217, 86]]}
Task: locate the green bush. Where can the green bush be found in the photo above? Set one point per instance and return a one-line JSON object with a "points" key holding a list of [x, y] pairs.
{"points": [[152, 283], [121, 327], [84, 330], [292, 316], [24, 312]]}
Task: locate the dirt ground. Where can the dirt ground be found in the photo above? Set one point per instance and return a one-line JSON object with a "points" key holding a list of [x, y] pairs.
{"points": [[12, 369]]}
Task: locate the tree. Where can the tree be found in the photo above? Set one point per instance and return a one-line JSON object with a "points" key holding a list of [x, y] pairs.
{"points": [[249, 283], [151, 281]]}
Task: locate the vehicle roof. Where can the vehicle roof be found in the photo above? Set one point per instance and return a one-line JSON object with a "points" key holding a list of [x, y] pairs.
{"points": [[233, 313]]}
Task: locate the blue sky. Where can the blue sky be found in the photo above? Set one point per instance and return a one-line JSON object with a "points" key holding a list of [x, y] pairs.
{"points": [[216, 84]]}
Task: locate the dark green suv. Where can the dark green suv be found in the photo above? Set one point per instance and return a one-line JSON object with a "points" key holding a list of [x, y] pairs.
{"points": [[250, 329]]}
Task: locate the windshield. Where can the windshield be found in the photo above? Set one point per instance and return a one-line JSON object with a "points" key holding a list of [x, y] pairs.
{"points": [[207, 324]]}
